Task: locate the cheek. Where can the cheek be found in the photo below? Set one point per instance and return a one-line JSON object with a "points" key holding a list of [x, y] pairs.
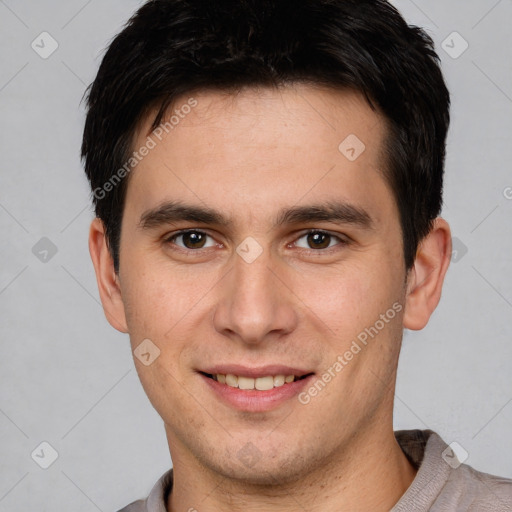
{"points": [[338, 302], [162, 300], [345, 297], [148, 304]]}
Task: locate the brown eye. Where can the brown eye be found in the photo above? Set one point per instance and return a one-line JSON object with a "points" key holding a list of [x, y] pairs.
{"points": [[319, 240], [190, 239]]}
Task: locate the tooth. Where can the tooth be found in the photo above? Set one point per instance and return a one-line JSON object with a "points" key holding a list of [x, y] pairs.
{"points": [[245, 382], [278, 380], [260, 383], [264, 383], [232, 380]]}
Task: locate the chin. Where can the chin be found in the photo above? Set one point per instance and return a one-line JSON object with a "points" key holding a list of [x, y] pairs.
{"points": [[262, 470], [262, 476]]}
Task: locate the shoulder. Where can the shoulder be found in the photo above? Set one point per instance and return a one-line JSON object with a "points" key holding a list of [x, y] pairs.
{"points": [[156, 500], [443, 484], [136, 506], [481, 492], [466, 488]]}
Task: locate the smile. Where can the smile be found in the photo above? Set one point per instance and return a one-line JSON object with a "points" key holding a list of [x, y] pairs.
{"points": [[259, 383], [259, 392]]}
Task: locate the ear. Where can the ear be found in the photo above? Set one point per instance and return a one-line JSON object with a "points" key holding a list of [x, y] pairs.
{"points": [[425, 279], [107, 279]]}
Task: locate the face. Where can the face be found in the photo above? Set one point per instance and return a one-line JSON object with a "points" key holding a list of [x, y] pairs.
{"points": [[263, 284]]}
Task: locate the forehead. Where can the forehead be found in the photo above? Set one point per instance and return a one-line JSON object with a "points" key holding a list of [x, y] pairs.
{"points": [[263, 147]]}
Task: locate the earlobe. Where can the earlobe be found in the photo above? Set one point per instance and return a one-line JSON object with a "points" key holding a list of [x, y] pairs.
{"points": [[426, 277], [106, 278]]}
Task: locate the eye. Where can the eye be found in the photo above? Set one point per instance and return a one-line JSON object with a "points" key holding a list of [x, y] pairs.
{"points": [[191, 239], [317, 239]]}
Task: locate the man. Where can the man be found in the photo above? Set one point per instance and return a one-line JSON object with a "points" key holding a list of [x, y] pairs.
{"points": [[267, 178]]}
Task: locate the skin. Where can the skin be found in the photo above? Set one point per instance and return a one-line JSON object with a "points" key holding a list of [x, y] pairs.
{"points": [[249, 155]]}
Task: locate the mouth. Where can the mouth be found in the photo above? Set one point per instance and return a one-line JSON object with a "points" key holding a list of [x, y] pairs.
{"points": [[255, 389], [260, 383], [263, 391]]}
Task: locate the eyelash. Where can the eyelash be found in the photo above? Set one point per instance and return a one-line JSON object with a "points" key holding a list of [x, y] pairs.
{"points": [[342, 242]]}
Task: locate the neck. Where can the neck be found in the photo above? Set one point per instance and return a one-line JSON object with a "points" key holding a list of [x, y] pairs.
{"points": [[371, 473]]}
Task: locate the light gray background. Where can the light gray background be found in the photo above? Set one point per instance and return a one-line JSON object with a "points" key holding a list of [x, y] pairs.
{"points": [[68, 378]]}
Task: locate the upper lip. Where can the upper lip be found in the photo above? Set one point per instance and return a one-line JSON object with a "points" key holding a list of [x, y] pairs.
{"points": [[260, 371]]}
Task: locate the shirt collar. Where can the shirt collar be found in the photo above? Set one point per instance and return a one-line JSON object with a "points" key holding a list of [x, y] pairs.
{"points": [[424, 449], [157, 499]]}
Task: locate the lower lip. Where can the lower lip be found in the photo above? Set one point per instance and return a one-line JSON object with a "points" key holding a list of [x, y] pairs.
{"points": [[252, 400]]}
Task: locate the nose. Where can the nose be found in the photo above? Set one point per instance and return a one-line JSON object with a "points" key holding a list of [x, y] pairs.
{"points": [[255, 302]]}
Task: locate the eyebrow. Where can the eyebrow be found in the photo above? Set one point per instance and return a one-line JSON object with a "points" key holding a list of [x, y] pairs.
{"points": [[170, 212]]}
